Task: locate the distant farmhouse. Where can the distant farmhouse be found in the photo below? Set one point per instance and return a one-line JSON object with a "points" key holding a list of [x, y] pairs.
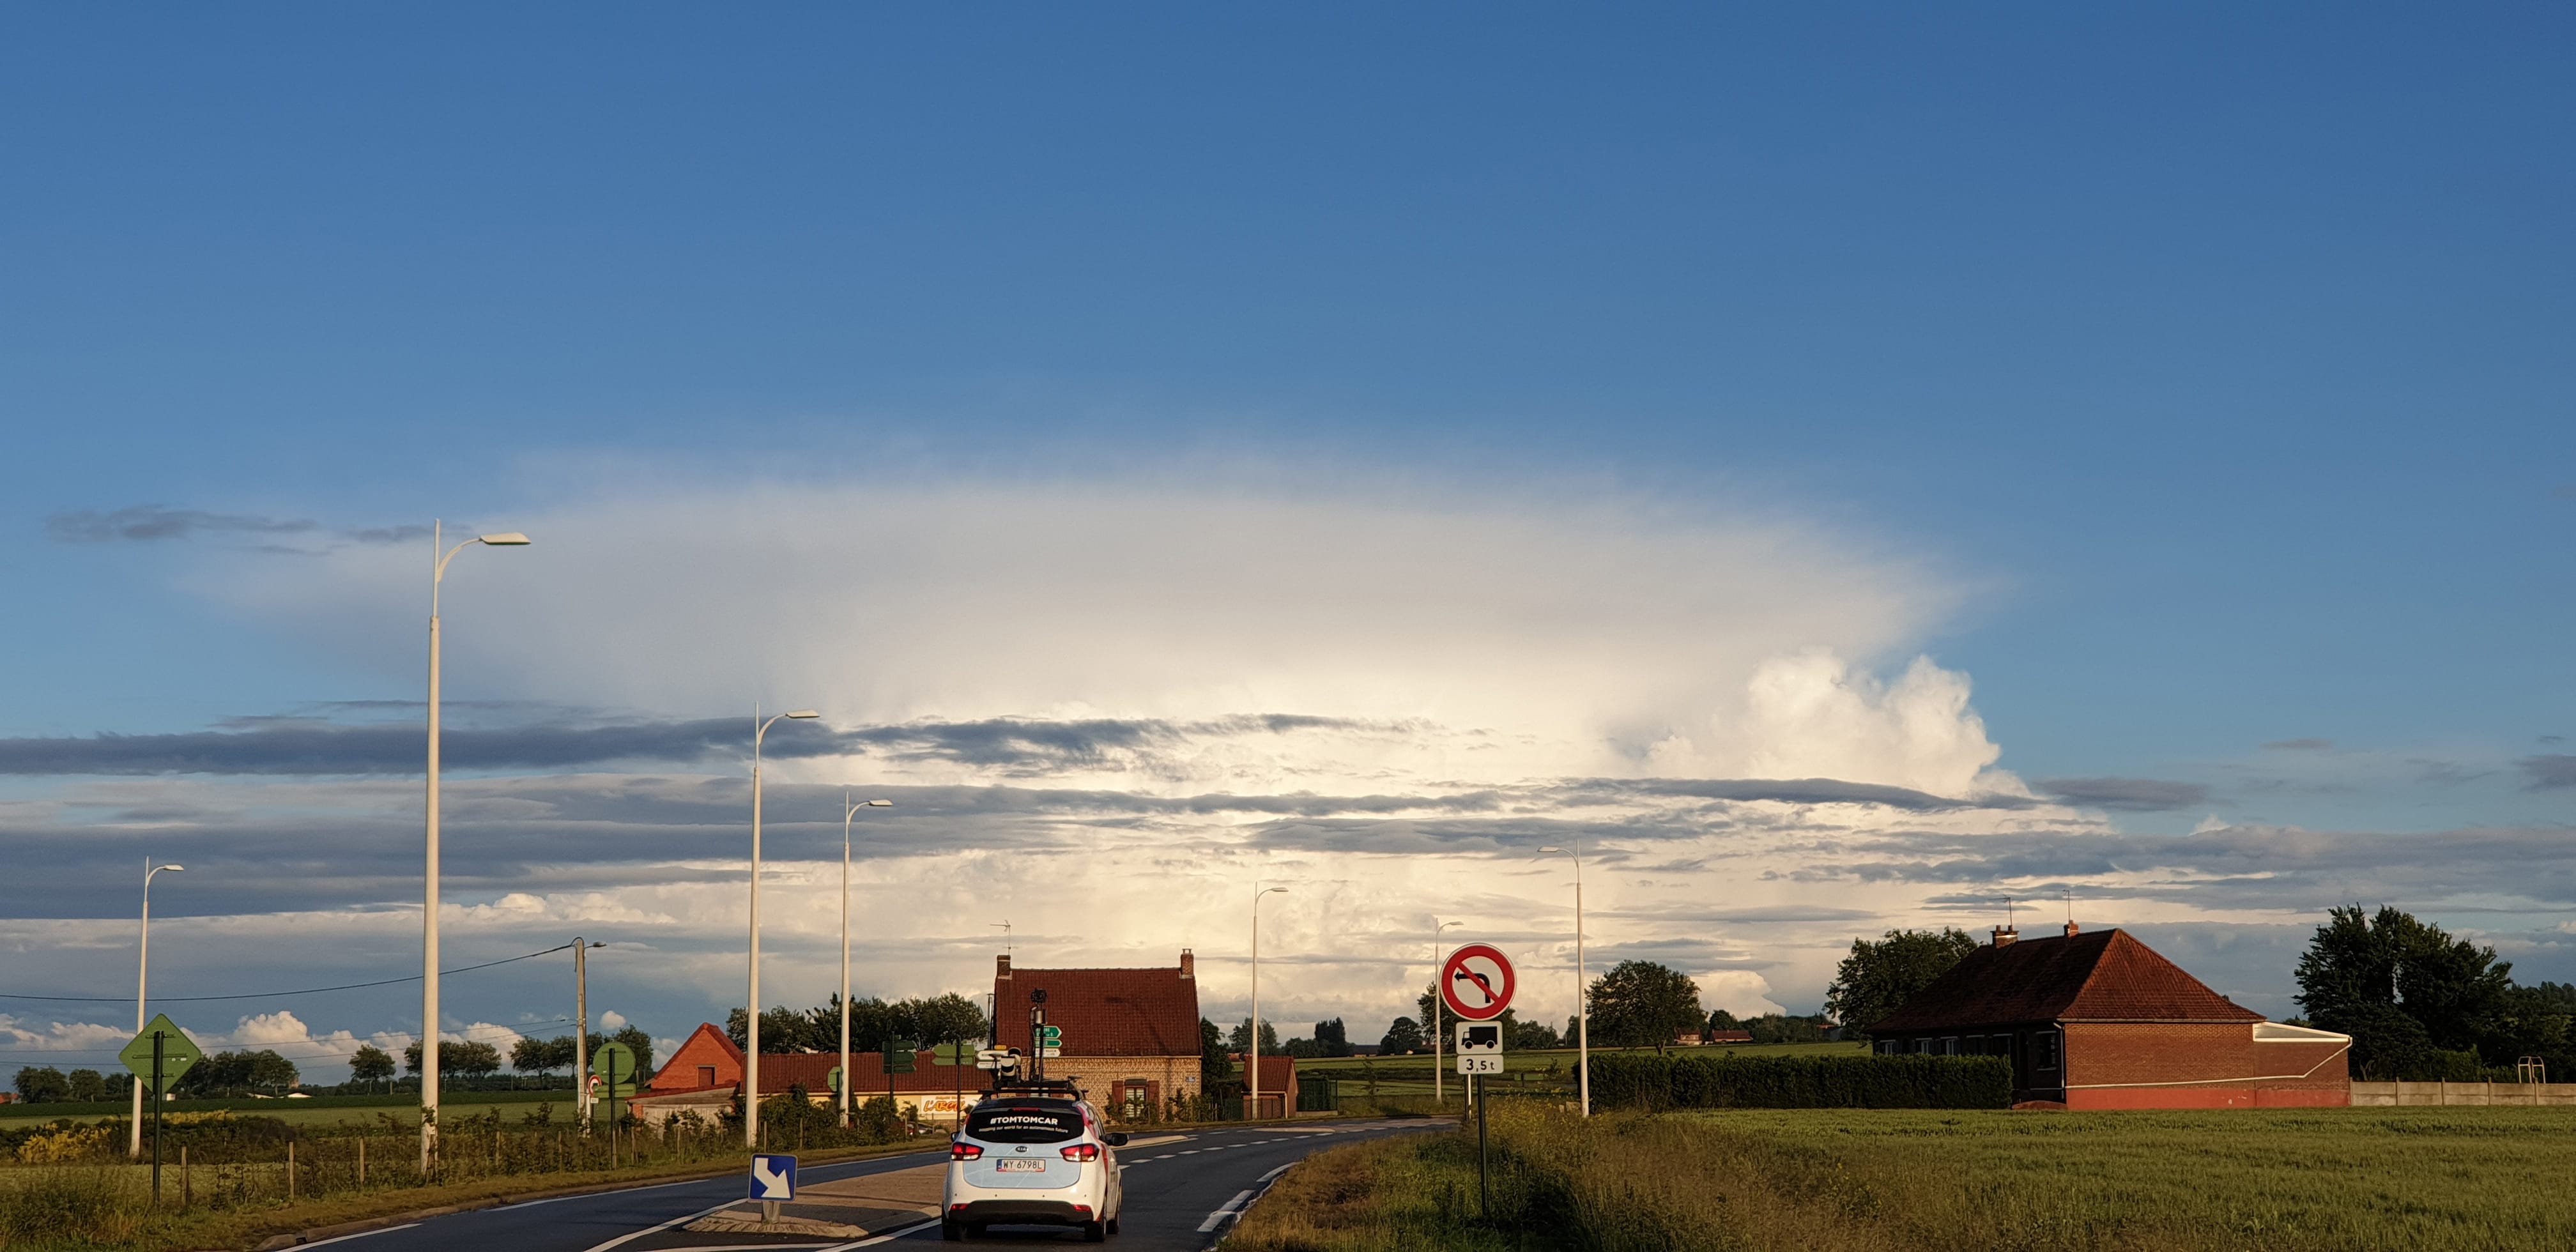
{"points": [[2100, 1021]]}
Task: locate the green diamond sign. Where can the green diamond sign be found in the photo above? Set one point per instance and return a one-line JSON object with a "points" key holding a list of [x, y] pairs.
{"points": [[953, 1054], [177, 1054]]}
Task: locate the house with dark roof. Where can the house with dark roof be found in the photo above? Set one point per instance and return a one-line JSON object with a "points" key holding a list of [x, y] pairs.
{"points": [[1131, 1036], [2101, 1021]]}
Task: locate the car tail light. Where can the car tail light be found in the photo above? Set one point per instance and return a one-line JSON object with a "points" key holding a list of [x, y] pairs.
{"points": [[964, 1151], [1082, 1210], [1083, 1152]]}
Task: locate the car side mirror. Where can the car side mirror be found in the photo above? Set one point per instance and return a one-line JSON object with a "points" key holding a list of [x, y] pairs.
{"points": [[1117, 1140]]}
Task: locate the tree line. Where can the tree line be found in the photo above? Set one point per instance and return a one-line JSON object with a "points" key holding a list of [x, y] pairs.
{"points": [[924, 1020]]}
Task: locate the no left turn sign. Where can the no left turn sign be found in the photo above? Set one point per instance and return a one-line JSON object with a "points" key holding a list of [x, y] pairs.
{"points": [[1476, 982]]}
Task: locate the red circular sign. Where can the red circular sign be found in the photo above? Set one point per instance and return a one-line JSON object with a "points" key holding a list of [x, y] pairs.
{"points": [[1476, 982]]}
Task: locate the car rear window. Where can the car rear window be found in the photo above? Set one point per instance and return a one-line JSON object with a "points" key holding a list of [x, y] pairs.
{"points": [[1025, 1123]]}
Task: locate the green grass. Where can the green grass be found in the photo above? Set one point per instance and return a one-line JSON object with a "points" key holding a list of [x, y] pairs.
{"points": [[319, 1111], [1530, 1072], [2288, 1180]]}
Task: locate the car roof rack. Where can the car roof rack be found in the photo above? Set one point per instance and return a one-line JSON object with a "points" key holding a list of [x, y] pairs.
{"points": [[1042, 1088]]}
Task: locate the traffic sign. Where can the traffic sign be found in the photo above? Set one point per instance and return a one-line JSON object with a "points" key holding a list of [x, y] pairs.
{"points": [[833, 1080], [1050, 1037], [998, 1059], [1476, 982], [773, 1177], [178, 1052], [954, 1054], [614, 1064], [1480, 1047], [899, 1056], [1050, 1052]]}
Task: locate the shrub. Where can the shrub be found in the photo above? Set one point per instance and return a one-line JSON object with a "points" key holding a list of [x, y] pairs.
{"points": [[1634, 1080]]}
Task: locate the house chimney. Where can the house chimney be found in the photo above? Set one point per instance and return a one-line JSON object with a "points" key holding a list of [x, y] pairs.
{"points": [[1002, 966], [2070, 928], [2006, 936], [1189, 965]]}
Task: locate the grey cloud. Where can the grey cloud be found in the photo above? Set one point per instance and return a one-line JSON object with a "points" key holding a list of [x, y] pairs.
{"points": [[313, 746], [1788, 791], [144, 523], [2300, 745], [2548, 773], [2144, 795]]}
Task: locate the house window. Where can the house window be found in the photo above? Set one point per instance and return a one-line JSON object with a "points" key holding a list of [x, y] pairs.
{"points": [[2043, 1050], [1890, 1047], [706, 1075], [1950, 1046]]}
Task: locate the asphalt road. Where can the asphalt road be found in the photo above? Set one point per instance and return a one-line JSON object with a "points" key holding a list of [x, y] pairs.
{"points": [[1183, 1192]]}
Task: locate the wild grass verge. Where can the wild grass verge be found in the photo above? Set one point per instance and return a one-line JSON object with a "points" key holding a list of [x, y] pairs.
{"points": [[2286, 1181]]}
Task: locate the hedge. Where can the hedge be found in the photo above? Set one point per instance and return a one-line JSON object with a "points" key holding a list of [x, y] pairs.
{"points": [[1701, 1081]]}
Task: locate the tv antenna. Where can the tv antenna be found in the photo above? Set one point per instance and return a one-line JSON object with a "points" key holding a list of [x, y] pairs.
{"points": [[1005, 928]]}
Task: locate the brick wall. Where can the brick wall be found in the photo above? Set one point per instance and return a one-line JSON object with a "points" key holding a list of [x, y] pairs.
{"points": [[2198, 1065]]}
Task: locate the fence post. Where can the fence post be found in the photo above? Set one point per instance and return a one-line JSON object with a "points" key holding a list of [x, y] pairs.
{"points": [[290, 1171]]}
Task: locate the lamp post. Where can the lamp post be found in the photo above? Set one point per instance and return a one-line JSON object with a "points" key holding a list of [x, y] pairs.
{"points": [[1582, 989], [581, 1031], [848, 811], [429, 903], [751, 1011], [1436, 1089], [1253, 1045], [142, 978]]}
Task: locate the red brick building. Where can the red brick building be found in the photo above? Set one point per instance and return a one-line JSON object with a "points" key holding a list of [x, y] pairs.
{"points": [[1131, 1036], [2100, 1021], [706, 1071]]}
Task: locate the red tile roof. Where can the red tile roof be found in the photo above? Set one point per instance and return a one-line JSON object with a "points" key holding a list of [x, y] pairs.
{"points": [[2104, 976], [712, 1048], [1103, 1012]]}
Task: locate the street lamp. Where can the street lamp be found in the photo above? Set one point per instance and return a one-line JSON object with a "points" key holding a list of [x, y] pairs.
{"points": [[429, 907], [1253, 1046], [581, 1031], [751, 1011], [1436, 1090], [1582, 988], [848, 811], [142, 976]]}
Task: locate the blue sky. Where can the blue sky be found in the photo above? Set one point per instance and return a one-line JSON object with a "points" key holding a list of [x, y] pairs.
{"points": [[2212, 362]]}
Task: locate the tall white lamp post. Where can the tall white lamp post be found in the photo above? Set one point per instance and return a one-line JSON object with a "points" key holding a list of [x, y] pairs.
{"points": [[848, 811], [1253, 1045], [142, 978], [1435, 1031], [429, 908], [751, 1027], [1582, 989]]}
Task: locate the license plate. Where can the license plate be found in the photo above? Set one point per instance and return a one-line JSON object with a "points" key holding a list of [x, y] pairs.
{"points": [[1015, 1165]]}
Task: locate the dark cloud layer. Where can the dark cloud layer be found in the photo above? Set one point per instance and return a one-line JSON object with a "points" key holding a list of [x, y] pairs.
{"points": [[2143, 795], [150, 523], [2548, 773], [317, 747]]}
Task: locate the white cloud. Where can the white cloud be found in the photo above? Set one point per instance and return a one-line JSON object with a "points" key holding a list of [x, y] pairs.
{"points": [[612, 1021], [1738, 991]]}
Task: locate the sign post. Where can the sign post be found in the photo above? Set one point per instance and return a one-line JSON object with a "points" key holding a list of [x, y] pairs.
{"points": [[1476, 982], [612, 1059], [773, 1179], [159, 1054]]}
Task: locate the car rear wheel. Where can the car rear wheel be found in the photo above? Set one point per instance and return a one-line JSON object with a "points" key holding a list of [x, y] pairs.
{"points": [[951, 1230], [1113, 1225], [1095, 1232]]}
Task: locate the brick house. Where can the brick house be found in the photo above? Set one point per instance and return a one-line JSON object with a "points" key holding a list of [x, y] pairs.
{"points": [[706, 1071], [1131, 1036], [2100, 1021]]}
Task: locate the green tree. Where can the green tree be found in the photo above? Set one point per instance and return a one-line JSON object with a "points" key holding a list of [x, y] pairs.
{"points": [[42, 1084], [1241, 1037], [370, 1064], [1403, 1035], [1215, 1066], [531, 1055], [87, 1086], [941, 1019], [2361, 973], [1879, 977], [1333, 1037], [1643, 1004], [1531, 1036], [641, 1044]]}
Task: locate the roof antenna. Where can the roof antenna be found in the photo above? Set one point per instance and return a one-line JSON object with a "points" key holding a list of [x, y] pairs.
{"points": [[1006, 935], [2070, 912]]}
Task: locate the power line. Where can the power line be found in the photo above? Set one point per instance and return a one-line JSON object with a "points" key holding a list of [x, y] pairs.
{"points": [[272, 995]]}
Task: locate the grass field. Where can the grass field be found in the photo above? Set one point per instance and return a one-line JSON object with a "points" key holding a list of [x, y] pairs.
{"points": [[2429, 1178], [1550, 1069], [325, 1111]]}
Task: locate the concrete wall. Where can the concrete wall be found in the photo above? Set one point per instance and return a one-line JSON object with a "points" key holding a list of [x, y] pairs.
{"points": [[2385, 1094]]}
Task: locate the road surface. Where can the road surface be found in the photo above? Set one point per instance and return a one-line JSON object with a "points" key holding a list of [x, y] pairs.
{"points": [[1183, 1192]]}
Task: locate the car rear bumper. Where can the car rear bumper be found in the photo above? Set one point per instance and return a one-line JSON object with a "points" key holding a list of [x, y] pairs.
{"points": [[1023, 1212]]}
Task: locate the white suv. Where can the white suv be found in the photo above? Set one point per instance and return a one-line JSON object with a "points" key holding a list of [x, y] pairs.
{"points": [[1032, 1161]]}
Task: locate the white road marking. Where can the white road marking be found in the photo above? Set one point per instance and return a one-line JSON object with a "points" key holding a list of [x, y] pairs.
{"points": [[360, 1235], [888, 1237], [1224, 1212], [1274, 1173], [681, 1220]]}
